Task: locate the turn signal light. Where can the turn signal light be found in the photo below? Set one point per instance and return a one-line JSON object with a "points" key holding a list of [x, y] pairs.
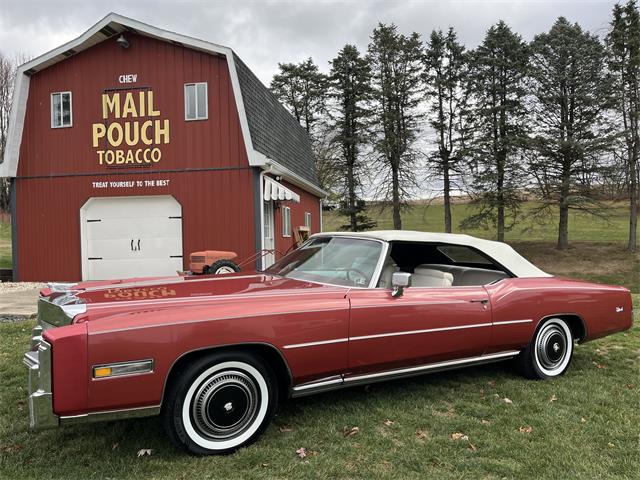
{"points": [[101, 372]]}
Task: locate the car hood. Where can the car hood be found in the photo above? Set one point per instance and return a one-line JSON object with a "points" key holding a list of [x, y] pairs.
{"points": [[162, 289]]}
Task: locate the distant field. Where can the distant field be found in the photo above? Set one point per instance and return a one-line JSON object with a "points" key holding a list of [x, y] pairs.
{"points": [[430, 218], [5, 245]]}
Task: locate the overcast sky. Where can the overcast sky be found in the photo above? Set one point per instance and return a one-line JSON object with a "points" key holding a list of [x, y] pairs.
{"points": [[264, 33]]}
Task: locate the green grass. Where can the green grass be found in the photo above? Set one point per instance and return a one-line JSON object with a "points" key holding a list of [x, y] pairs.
{"points": [[5, 245], [430, 218], [584, 425]]}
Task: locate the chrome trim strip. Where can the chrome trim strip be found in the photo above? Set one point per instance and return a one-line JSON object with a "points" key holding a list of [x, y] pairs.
{"points": [[319, 384], [510, 322], [414, 332], [341, 381], [431, 367], [137, 412], [313, 344], [400, 303], [120, 369]]}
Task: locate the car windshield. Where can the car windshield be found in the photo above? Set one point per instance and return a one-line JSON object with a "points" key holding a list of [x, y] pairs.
{"points": [[341, 261]]}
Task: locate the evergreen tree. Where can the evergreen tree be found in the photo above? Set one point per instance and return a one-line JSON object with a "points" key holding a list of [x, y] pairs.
{"points": [[623, 44], [350, 89], [302, 89], [496, 88], [396, 78], [570, 91], [445, 69]]}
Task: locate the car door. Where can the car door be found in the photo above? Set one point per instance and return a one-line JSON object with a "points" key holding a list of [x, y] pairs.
{"points": [[424, 325]]}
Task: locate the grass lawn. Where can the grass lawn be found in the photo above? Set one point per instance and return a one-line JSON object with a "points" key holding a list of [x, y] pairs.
{"points": [[583, 425], [430, 218], [5, 245]]}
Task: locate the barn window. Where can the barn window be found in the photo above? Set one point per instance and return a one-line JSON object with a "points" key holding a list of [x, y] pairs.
{"points": [[195, 101], [61, 111], [286, 221], [307, 220]]}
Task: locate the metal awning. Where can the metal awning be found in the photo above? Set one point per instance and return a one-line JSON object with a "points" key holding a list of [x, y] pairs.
{"points": [[276, 191]]}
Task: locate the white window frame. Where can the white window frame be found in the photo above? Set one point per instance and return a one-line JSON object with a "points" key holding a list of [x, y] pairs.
{"points": [[62, 125], [286, 221], [206, 103], [307, 220]]}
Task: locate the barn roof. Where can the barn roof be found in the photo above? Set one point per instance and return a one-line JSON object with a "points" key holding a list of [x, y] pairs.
{"points": [[273, 138]]}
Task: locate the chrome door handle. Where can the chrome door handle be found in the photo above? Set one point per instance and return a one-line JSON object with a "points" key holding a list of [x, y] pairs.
{"points": [[480, 300]]}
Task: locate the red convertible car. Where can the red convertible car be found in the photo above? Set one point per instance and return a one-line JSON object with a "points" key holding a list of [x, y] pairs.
{"points": [[214, 354]]}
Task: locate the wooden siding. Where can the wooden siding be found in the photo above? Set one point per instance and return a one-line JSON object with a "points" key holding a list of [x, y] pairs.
{"points": [[216, 214], [161, 66], [308, 203]]}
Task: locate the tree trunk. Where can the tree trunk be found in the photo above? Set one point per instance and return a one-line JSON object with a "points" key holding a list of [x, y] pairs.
{"points": [[632, 246], [447, 197], [353, 218], [397, 221], [500, 198], [563, 223]]}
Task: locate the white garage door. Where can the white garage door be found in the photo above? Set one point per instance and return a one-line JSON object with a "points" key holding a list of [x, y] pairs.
{"points": [[131, 237]]}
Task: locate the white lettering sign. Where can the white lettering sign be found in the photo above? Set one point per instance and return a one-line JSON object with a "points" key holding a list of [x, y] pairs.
{"points": [[132, 183], [128, 78]]}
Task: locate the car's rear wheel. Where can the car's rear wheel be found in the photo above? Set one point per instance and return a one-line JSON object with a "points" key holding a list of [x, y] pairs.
{"points": [[220, 403], [549, 353]]}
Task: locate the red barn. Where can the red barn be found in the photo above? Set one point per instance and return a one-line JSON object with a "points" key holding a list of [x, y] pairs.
{"points": [[132, 146]]}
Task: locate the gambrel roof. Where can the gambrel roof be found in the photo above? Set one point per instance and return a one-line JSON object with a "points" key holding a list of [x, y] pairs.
{"points": [[273, 138]]}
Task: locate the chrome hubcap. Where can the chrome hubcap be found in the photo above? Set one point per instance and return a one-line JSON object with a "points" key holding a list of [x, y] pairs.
{"points": [[551, 347], [225, 405]]}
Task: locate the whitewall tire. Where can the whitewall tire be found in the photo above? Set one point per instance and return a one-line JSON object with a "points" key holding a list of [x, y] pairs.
{"points": [[549, 353], [220, 403]]}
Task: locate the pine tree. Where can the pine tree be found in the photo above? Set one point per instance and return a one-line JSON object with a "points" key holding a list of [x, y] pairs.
{"points": [[302, 88], [445, 70], [570, 91], [350, 90], [623, 45], [396, 78], [497, 112]]}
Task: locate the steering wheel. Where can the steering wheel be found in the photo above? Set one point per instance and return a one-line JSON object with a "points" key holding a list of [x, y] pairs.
{"points": [[357, 281]]}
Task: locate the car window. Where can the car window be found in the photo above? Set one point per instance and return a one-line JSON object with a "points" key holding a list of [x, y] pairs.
{"points": [[334, 260], [462, 254]]}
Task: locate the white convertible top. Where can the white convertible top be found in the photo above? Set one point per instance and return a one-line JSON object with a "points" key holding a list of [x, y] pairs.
{"points": [[500, 252]]}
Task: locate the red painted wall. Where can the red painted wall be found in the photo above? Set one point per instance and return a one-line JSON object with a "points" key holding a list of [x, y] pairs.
{"points": [[57, 166], [216, 213], [162, 66], [308, 203]]}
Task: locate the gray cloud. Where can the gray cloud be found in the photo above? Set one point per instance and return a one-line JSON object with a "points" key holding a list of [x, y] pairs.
{"points": [[266, 32]]}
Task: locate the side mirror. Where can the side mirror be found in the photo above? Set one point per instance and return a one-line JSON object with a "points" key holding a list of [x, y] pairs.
{"points": [[400, 281]]}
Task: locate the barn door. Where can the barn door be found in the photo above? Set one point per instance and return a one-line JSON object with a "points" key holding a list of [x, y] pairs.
{"points": [[125, 237]]}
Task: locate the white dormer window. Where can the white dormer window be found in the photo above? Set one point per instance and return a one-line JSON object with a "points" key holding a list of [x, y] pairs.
{"points": [[196, 105], [61, 110]]}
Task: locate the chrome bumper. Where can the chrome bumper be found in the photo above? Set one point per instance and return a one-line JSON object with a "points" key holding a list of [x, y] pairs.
{"points": [[40, 396]]}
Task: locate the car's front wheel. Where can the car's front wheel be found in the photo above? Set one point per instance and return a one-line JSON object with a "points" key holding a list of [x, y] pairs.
{"points": [[220, 403], [549, 353]]}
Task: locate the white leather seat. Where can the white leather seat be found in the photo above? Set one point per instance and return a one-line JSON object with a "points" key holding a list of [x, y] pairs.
{"points": [[468, 276], [386, 276], [428, 277]]}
